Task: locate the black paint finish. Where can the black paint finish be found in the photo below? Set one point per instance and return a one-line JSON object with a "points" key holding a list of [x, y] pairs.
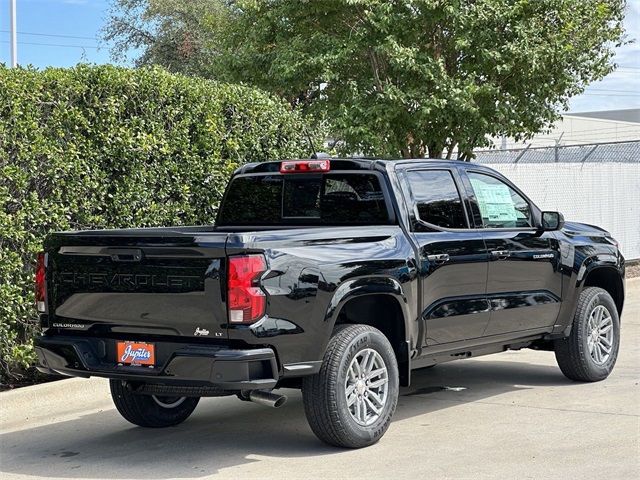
{"points": [[455, 295], [531, 265]]}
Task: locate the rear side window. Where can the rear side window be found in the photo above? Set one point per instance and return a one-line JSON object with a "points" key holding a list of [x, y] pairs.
{"points": [[312, 199], [437, 199], [500, 205]]}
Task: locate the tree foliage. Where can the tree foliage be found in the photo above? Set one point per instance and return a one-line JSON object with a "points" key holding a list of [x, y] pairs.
{"points": [[97, 147], [393, 77], [176, 34]]}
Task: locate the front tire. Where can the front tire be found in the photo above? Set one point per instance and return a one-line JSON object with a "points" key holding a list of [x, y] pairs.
{"points": [[589, 353], [150, 410], [351, 401]]}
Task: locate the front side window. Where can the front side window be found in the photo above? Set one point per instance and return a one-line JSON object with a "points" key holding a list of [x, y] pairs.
{"points": [[500, 205], [437, 199]]}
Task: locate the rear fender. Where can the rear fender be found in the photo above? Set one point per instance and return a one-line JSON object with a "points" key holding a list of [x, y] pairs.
{"points": [[366, 286], [386, 286]]}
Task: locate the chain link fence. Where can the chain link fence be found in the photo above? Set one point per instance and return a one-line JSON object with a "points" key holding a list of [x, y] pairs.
{"points": [[618, 152], [597, 184]]}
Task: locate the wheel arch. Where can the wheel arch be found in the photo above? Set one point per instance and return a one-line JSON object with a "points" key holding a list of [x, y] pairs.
{"points": [[379, 303], [609, 279], [592, 272]]}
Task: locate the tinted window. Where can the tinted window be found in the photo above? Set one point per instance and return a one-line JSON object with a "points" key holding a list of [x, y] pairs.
{"points": [[329, 199], [437, 199], [301, 198], [500, 205]]}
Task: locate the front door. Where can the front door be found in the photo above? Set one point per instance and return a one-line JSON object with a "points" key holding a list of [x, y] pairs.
{"points": [[524, 281], [453, 258]]}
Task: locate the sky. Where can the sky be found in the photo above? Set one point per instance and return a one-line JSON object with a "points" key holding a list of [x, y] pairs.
{"points": [[62, 33]]}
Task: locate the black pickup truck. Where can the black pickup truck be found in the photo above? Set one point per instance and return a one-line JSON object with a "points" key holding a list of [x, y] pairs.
{"points": [[336, 276]]}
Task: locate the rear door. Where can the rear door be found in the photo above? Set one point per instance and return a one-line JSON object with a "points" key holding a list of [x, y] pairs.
{"points": [[155, 282], [453, 257], [524, 281]]}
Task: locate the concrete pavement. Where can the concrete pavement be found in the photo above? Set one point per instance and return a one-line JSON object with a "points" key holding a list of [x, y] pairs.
{"points": [[514, 416]]}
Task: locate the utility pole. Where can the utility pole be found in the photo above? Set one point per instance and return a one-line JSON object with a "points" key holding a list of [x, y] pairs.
{"points": [[14, 34]]}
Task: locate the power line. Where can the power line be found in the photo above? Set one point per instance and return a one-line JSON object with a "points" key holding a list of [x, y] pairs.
{"points": [[630, 71], [613, 94], [53, 44], [609, 90], [51, 35]]}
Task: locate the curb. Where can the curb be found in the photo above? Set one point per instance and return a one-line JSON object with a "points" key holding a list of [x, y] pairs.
{"points": [[37, 400]]}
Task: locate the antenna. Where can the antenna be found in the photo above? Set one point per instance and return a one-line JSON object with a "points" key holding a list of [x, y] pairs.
{"points": [[313, 148], [315, 155]]}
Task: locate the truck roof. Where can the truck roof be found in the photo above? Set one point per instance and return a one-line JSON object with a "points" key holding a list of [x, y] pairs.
{"points": [[354, 163]]}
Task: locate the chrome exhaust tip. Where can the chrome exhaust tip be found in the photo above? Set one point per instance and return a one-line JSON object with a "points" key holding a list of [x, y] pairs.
{"points": [[267, 398]]}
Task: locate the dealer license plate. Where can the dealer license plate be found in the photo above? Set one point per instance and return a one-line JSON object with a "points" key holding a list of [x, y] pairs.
{"points": [[136, 353]]}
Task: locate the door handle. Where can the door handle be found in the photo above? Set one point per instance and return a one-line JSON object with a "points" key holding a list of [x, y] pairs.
{"points": [[438, 258], [499, 254]]}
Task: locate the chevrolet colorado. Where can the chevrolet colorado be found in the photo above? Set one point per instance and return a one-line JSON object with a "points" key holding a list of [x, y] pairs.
{"points": [[336, 276]]}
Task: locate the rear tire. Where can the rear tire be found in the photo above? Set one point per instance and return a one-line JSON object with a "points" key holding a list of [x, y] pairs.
{"points": [[351, 401], [589, 353], [150, 410]]}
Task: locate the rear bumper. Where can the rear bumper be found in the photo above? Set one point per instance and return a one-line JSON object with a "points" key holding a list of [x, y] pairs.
{"points": [[178, 364]]}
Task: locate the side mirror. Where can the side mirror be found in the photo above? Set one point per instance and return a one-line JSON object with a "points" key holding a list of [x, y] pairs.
{"points": [[552, 221]]}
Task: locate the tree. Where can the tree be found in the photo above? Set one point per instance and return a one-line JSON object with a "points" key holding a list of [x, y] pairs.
{"points": [[176, 34], [409, 77]]}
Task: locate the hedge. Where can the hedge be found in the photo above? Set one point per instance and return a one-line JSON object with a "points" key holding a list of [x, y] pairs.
{"points": [[101, 146]]}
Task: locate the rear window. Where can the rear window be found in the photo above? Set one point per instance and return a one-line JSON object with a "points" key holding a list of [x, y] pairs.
{"points": [[436, 199], [328, 199]]}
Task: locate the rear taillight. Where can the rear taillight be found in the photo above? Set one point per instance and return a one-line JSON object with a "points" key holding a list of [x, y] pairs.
{"points": [[41, 283], [245, 299], [303, 166]]}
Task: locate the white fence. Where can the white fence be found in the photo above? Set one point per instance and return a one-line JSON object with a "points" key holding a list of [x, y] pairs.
{"points": [[602, 189]]}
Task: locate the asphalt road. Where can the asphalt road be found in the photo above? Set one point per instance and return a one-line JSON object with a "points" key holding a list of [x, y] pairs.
{"points": [[513, 416]]}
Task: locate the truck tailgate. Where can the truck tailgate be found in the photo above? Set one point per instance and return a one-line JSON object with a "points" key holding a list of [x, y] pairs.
{"points": [[147, 282]]}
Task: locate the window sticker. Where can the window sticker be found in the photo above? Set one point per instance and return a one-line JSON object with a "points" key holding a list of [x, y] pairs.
{"points": [[495, 202]]}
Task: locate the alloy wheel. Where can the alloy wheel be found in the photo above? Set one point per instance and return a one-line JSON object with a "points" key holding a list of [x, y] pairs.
{"points": [[366, 387], [600, 334]]}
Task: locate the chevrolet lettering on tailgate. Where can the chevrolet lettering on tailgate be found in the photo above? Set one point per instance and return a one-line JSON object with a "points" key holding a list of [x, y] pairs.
{"points": [[129, 281]]}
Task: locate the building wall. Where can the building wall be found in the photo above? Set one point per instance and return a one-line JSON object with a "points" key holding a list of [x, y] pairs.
{"points": [[576, 130], [598, 185]]}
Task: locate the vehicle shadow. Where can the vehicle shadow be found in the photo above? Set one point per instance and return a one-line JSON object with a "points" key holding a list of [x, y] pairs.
{"points": [[225, 432]]}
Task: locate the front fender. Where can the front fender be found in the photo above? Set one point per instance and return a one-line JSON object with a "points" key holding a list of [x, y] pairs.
{"points": [[596, 261], [576, 284]]}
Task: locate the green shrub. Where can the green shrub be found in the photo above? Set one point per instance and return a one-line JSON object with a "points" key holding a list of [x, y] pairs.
{"points": [[95, 147]]}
